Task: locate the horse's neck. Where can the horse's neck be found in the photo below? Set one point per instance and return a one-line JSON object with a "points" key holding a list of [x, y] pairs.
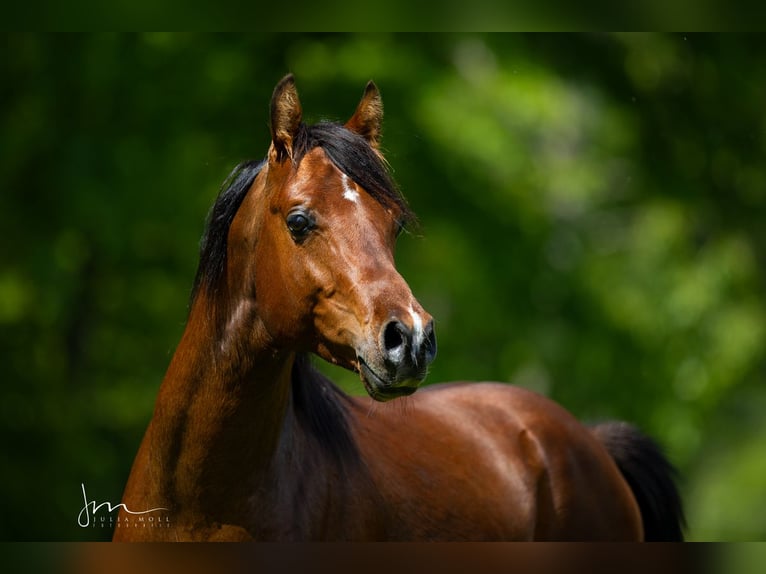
{"points": [[221, 414]]}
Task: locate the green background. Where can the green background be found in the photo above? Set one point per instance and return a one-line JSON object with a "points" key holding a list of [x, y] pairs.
{"points": [[592, 227]]}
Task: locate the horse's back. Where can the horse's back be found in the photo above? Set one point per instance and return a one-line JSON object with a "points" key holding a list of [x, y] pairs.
{"points": [[490, 461]]}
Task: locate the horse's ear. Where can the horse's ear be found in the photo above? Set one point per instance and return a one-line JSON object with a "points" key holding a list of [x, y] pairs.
{"points": [[285, 118], [368, 117]]}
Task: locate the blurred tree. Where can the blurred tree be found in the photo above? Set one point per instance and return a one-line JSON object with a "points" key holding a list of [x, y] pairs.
{"points": [[591, 227]]}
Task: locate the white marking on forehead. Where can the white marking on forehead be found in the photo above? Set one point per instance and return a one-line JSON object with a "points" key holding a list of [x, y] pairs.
{"points": [[417, 327], [348, 189]]}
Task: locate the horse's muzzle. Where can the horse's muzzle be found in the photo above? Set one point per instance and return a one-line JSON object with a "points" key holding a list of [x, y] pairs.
{"points": [[407, 351], [406, 354]]}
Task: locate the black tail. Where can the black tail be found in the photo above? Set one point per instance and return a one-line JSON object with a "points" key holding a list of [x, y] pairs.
{"points": [[651, 478]]}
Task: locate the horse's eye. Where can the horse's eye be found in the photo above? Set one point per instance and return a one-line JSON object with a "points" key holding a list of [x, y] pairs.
{"points": [[299, 224]]}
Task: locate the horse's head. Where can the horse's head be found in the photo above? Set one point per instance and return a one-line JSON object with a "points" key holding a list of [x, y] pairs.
{"points": [[315, 238]]}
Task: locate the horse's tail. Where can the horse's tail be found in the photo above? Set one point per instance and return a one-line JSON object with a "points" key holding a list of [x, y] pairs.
{"points": [[651, 478]]}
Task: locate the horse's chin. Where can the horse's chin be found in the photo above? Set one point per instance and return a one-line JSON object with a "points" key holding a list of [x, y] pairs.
{"points": [[385, 395], [380, 387], [382, 390]]}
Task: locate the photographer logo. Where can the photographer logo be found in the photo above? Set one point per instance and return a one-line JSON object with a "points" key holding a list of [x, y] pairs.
{"points": [[95, 515]]}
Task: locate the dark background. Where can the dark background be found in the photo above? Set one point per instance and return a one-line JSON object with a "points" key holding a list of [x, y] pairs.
{"points": [[592, 227]]}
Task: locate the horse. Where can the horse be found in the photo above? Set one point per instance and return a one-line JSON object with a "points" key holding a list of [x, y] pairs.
{"points": [[248, 441]]}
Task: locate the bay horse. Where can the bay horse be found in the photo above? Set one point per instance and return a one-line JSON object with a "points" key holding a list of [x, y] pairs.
{"points": [[248, 441]]}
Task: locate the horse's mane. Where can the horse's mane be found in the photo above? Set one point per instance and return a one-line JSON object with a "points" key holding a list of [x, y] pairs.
{"points": [[321, 410], [214, 243]]}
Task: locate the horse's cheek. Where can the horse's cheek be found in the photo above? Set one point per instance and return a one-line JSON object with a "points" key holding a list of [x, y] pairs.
{"points": [[283, 306]]}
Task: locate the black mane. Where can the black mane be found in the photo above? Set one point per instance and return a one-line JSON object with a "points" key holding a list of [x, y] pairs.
{"points": [[350, 153], [214, 243], [320, 407]]}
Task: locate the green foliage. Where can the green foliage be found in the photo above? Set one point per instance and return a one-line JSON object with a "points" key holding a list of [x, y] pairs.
{"points": [[591, 227]]}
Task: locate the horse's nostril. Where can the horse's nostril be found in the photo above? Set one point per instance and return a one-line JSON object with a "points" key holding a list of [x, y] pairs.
{"points": [[392, 336], [430, 344]]}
